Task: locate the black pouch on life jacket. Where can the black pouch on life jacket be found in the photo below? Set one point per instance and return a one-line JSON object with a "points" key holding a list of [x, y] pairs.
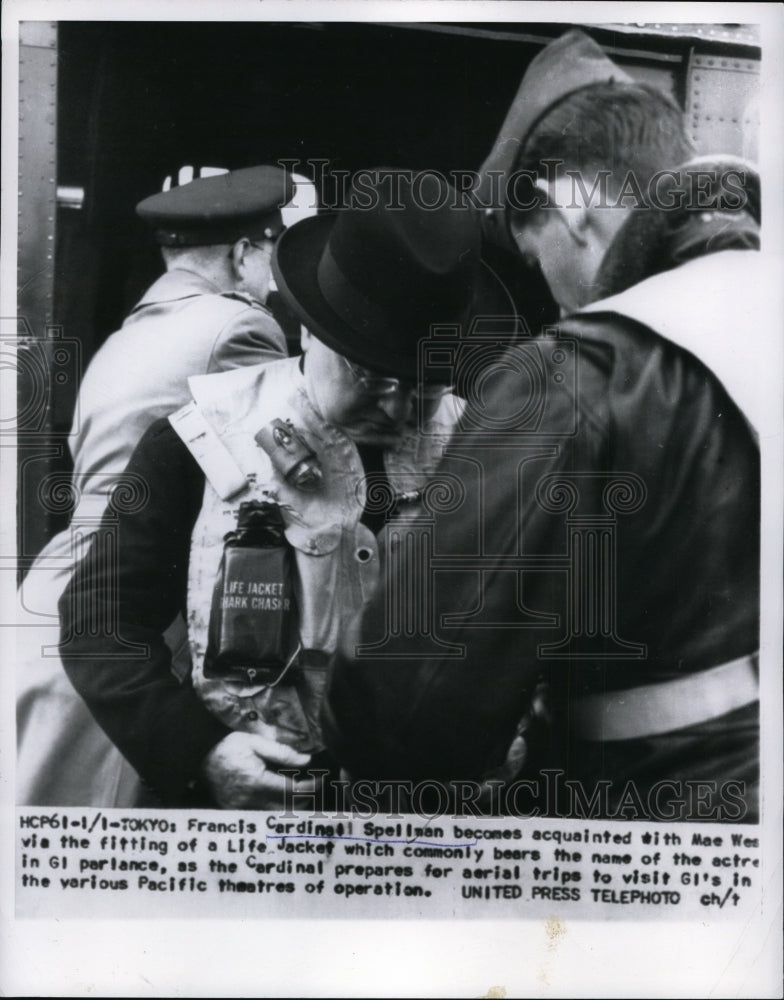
{"points": [[251, 618]]}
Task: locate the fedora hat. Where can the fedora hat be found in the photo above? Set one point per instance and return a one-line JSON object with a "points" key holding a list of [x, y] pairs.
{"points": [[371, 280], [566, 65]]}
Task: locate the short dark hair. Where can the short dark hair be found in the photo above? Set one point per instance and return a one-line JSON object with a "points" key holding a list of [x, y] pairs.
{"points": [[620, 127]]}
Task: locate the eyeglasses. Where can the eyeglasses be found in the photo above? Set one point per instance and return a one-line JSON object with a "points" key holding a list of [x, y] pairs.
{"points": [[382, 385]]}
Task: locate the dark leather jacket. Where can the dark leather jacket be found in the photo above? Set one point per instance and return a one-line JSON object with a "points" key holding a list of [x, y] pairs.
{"points": [[642, 471]]}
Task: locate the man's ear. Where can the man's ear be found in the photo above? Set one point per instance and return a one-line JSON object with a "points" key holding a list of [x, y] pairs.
{"points": [[523, 236], [305, 339], [568, 208], [578, 224], [237, 256]]}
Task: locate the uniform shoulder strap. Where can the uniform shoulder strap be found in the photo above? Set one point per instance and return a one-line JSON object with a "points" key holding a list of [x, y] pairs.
{"points": [[214, 458]]}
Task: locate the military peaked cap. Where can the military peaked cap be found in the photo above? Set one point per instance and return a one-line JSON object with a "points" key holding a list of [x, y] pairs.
{"points": [[220, 209]]}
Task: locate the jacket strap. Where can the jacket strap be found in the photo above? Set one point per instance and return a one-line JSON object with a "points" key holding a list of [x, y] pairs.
{"points": [[653, 709], [215, 460], [692, 307]]}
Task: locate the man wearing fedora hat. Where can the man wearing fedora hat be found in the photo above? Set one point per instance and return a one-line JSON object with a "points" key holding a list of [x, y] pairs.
{"points": [[206, 313], [632, 535], [287, 470]]}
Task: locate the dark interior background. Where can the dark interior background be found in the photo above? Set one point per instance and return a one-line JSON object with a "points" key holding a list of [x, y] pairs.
{"points": [[137, 100]]}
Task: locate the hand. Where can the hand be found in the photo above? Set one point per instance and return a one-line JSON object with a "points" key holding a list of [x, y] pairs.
{"points": [[238, 775]]}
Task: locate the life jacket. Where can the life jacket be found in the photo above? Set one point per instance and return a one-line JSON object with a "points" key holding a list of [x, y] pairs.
{"points": [[336, 557]]}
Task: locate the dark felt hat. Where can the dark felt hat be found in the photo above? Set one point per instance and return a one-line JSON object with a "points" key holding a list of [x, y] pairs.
{"points": [[566, 65], [220, 209], [371, 280]]}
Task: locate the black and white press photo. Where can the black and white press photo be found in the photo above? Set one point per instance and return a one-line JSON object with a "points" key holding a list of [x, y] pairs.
{"points": [[391, 472]]}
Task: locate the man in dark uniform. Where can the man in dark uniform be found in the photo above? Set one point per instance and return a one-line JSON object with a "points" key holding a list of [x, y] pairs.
{"points": [[205, 314], [608, 542]]}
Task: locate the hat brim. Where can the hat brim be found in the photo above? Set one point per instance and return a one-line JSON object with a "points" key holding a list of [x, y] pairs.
{"points": [[295, 264]]}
